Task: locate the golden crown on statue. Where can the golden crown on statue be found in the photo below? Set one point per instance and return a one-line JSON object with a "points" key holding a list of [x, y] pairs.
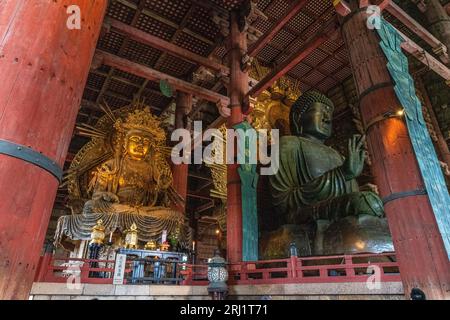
{"points": [[144, 120]]}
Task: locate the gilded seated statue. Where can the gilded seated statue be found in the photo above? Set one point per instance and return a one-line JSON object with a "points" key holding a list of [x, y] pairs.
{"points": [[125, 177], [137, 176], [316, 192]]}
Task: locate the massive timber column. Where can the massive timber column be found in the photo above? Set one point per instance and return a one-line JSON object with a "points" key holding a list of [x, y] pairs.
{"points": [[237, 90], [180, 171], [420, 250], [44, 67]]}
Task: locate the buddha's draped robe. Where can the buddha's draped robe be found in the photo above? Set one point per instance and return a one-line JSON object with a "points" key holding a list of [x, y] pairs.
{"points": [[310, 184]]}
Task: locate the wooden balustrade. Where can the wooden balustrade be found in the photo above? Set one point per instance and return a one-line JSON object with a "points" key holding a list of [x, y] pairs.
{"points": [[326, 269]]}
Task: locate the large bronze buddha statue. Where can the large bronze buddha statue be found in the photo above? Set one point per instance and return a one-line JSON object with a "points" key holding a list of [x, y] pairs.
{"points": [[315, 189]]}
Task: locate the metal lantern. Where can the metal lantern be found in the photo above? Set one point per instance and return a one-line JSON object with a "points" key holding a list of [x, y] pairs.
{"points": [[217, 276], [293, 249], [95, 246], [131, 237], [98, 233]]}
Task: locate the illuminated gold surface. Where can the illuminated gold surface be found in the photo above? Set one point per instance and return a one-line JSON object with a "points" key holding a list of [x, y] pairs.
{"points": [[151, 245], [123, 176], [131, 237], [98, 233]]}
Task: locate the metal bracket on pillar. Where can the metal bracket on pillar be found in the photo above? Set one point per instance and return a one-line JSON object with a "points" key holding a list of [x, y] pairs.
{"points": [[385, 116], [400, 195], [31, 156]]}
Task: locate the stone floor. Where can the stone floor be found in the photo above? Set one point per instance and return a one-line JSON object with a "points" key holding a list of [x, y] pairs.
{"points": [[303, 291]]}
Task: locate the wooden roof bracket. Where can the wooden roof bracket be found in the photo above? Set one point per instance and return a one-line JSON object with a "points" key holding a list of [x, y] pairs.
{"points": [[342, 7], [438, 47]]}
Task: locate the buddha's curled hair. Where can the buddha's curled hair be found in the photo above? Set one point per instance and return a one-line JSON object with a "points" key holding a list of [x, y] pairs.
{"points": [[303, 103]]}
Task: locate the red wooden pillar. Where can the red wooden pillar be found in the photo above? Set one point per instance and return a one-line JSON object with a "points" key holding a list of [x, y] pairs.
{"points": [[180, 171], [237, 90], [44, 67], [420, 250], [44, 262]]}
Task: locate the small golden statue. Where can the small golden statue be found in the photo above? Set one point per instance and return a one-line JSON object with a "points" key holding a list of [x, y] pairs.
{"points": [[151, 245], [122, 176], [164, 246]]}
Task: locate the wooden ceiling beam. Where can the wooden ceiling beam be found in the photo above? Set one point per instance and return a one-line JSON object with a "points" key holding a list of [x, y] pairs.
{"points": [[204, 207], [294, 59], [290, 13], [199, 176], [116, 77], [165, 46], [122, 48], [199, 196], [427, 59], [154, 75], [438, 47]]}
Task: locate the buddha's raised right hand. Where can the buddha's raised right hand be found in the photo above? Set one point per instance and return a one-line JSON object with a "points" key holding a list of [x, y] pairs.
{"points": [[354, 163]]}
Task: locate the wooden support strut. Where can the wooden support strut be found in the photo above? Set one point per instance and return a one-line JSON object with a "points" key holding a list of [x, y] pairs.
{"points": [[342, 7], [165, 46], [290, 13], [409, 46], [438, 47], [294, 59], [154, 75]]}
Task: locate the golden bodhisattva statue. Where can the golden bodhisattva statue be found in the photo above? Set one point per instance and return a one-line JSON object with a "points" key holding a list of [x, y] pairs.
{"points": [[138, 175], [124, 174]]}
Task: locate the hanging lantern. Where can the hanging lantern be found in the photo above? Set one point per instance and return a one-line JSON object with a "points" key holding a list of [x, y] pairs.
{"points": [[131, 237], [217, 276], [98, 233], [166, 88]]}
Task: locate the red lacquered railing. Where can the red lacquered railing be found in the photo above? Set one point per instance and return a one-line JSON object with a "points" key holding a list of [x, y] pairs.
{"points": [[62, 270], [326, 269], [340, 268]]}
